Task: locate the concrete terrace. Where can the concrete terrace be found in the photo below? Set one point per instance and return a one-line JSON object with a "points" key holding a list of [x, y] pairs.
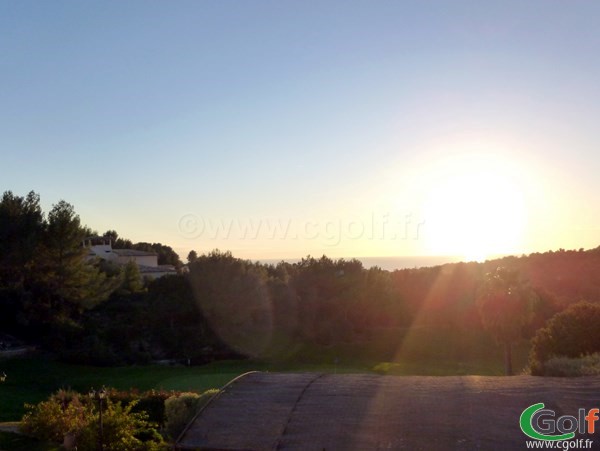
{"points": [[311, 411]]}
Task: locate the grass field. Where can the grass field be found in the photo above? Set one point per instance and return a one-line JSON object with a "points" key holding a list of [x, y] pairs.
{"points": [[30, 380]]}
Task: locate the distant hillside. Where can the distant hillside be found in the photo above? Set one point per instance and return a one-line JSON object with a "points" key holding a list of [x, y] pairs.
{"points": [[569, 275], [444, 296]]}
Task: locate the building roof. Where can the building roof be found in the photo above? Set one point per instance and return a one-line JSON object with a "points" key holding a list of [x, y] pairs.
{"points": [[133, 253], [157, 269]]}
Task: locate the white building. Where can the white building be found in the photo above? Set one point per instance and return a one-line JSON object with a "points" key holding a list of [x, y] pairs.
{"points": [[142, 258], [101, 247]]}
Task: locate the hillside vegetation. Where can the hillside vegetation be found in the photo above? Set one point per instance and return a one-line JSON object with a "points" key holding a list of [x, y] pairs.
{"points": [[219, 306]]}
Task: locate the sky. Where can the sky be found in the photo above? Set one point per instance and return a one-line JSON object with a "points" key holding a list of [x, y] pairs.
{"points": [[278, 129]]}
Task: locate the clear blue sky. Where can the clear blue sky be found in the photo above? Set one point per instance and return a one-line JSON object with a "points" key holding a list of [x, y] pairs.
{"points": [[164, 119]]}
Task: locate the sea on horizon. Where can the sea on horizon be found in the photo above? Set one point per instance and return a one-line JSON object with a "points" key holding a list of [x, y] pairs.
{"points": [[389, 263]]}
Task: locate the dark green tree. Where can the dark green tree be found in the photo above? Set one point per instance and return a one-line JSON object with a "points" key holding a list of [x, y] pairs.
{"points": [[574, 332], [21, 229], [233, 297], [112, 235], [67, 276], [505, 305], [177, 326], [121, 243], [132, 279], [192, 256]]}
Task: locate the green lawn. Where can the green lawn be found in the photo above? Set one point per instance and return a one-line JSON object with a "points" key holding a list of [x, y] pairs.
{"points": [[31, 380]]}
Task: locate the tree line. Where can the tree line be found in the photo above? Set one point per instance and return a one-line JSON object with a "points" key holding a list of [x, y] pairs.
{"points": [[220, 306], [49, 287]]}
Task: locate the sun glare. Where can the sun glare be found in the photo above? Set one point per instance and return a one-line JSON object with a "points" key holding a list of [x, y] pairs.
{"points": [[475, 209]]}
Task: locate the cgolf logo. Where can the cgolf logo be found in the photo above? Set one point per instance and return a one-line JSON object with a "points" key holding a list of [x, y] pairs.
{"points": [[540, 424]]}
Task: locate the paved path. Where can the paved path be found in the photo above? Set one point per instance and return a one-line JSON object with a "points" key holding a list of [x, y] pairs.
{"points": [[12, 426], [308, 411], [16, 352]]}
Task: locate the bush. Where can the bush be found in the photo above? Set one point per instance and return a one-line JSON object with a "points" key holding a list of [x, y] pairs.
{"points": [[180, 410], [572, 333], [70, 413], [588, 365], [61, 414], [151, 402], [123, 430]]}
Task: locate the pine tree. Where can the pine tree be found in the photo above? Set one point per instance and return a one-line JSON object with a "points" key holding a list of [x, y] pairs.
{"points": [[72, 282], [21, 229]]}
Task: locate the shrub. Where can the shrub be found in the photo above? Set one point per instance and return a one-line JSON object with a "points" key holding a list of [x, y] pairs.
{"points": [[180, 410], [152, 402], [588, 365], [61, 414], [573, 333], [123, 430], [68, 412]]}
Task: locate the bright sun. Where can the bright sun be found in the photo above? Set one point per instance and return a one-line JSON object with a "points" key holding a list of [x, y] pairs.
{"points": [[475, 209]]}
